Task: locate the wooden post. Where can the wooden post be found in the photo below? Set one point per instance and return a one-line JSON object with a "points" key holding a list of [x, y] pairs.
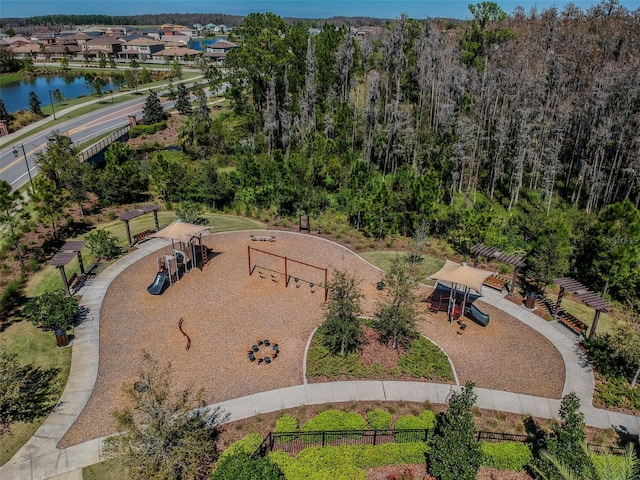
{"points": [[249, 255], [512, 287], [557, 308], [286, 275], [155, 217], [326, 287], [592, 332], [65, 282], [126, 224], [79, 254]]}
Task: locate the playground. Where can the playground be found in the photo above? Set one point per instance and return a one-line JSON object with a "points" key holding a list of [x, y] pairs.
{"points": [[222, 309]]}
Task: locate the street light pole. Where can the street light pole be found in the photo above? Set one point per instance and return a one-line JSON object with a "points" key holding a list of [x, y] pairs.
{"points": [[15, 154], [52, 109]]}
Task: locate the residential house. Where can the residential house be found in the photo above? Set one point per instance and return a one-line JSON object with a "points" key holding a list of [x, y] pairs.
{"points": [[221, 46], [178, 40], [44, 36], [169, 54], [108, 45], [141, 48]]}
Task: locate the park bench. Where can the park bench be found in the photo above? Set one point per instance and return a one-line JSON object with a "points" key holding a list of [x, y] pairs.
{"points": [[496, 282], [263, 238], [142, 236], [572, 323], [75, 281]]}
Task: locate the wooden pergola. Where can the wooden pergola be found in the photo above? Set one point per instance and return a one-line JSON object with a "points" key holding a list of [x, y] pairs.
{"points": [[68, 252], [585, 295], [516, 261], [131, 214]]}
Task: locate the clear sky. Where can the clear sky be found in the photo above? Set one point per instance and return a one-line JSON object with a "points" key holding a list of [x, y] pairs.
{"points": [[285, 8]]}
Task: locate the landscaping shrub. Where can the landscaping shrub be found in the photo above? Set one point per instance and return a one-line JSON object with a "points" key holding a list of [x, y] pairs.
{"points": [[379, 419], [248, 444], [103, 244], [423, 359], [426, 420], [147, 129], [346, 461], [616, 392], [52, 310], [513, 456], [322, 363], [242, 466], [10, 295], [318, 467], [286, 423], [604, 358], [332, 420]]}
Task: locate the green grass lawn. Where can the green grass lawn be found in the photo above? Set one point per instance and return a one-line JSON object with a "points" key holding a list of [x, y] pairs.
{"points": [[36, 347], [382, 259], [585, 314], [108, 470]]}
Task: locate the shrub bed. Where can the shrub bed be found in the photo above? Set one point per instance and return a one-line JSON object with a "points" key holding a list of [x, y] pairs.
{"points": [[512, 456], [286, 423], [379, 419], [147, 129], [426, 420], [423, 359], [346, 461], [333, 420]]}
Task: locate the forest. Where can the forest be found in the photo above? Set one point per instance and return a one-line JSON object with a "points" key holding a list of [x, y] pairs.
{"points": [[518, 131], [521, 132]]}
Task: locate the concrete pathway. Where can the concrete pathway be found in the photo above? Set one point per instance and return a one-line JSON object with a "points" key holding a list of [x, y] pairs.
{"points": [[40, 459]]}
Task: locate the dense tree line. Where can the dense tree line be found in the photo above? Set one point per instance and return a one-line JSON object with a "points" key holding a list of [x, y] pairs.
{"points": [[481, 130]]}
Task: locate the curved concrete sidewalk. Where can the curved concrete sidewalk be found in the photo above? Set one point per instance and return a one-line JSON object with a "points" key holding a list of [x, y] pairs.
{"points": [[40, 459]]}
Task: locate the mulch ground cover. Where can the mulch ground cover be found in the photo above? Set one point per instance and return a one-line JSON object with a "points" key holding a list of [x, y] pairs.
{"points": [[224, 310]]}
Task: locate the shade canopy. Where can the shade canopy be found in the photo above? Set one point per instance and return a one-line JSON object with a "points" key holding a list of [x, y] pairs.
{"points": [[462, 274], [180, 231]]}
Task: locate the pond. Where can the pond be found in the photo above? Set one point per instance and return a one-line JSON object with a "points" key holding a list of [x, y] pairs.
{"points": [[16, 95]]}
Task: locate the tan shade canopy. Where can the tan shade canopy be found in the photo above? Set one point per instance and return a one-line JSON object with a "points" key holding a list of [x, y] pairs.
{"points": [[180, 231], [462, 275]]}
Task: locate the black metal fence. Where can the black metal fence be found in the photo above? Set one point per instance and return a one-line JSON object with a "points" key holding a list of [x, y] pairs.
{"points": [[295, 442]]}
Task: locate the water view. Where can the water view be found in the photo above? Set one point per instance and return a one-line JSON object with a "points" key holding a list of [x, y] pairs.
{"points": [[16, 95]]}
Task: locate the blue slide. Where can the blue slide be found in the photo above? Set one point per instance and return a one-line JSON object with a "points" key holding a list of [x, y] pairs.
{"points": [[477, 315], [156, 287]]}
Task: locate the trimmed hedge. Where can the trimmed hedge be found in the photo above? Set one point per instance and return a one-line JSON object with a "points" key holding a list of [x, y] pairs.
{"points": [[248, 444], [346, 461], [513, 456], [426, 420], [379, 419], [286, 423], [333, 420], [242, 467], [147, 129]]}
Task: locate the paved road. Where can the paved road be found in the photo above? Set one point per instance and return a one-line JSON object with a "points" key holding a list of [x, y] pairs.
{"points": [[13, 169]]}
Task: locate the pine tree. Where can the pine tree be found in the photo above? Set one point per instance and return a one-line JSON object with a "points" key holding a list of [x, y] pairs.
{"points": [[341, 328], [4, 115], [182, 102], [456, 454], [152, 111], [34, 103], [397, 315]]}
